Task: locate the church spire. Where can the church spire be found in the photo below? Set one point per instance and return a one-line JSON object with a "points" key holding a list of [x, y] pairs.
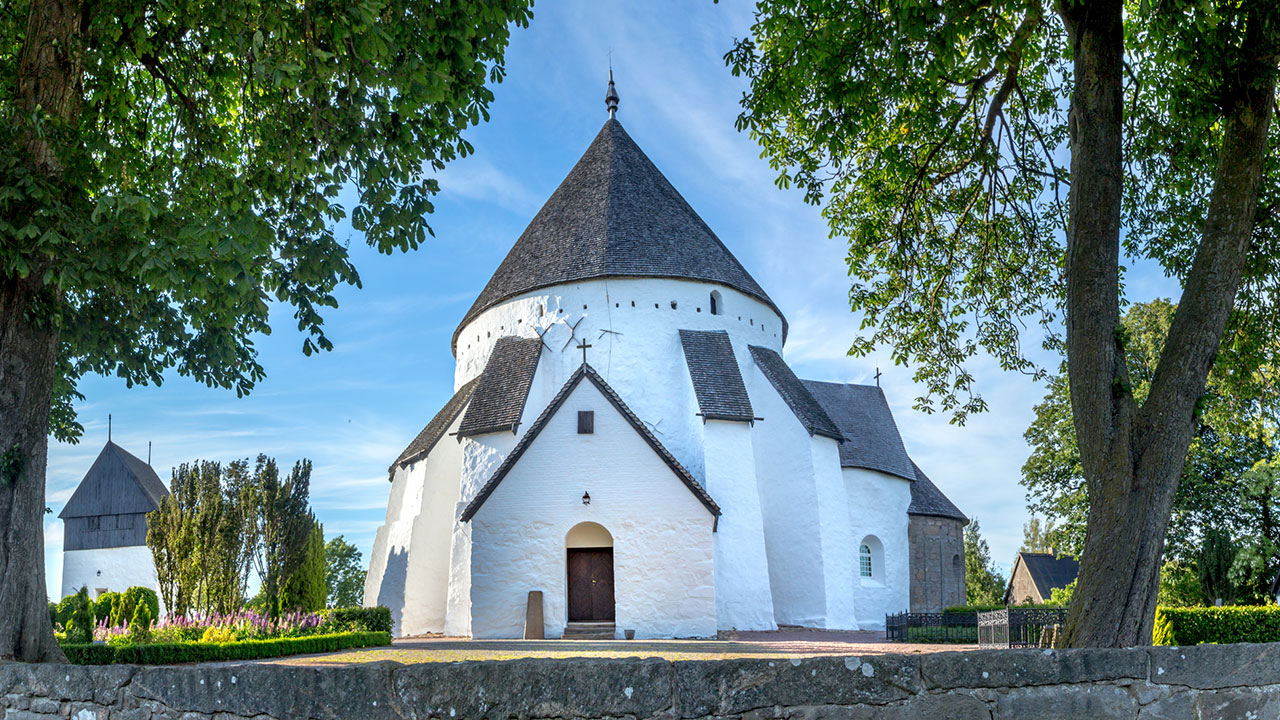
{"points": [[611, 97]]}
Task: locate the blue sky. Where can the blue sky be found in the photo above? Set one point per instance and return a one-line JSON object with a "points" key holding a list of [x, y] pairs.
{"points": [[352, 411]]}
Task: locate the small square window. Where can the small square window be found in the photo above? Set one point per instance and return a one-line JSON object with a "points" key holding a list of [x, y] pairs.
{"points": [[586, 422]]}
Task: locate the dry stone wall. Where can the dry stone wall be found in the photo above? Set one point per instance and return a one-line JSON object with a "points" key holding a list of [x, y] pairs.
{"points": [[1210, 681]]}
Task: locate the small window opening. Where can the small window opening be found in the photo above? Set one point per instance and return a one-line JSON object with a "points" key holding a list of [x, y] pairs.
{"points": [[586, 422], [864, 561], [633, 303], [673, 304], [698, 309], [584, 307], [716, 306]]}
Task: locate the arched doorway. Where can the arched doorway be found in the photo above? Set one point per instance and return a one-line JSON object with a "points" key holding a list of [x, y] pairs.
{"points": [[589, 559]]}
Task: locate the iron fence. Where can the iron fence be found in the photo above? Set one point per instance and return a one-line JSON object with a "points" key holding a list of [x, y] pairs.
{"points": [[931, 627], [1017, 627]]}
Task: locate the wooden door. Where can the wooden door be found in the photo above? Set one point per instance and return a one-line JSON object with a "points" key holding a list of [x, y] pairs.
{"points": [[591, 585]]}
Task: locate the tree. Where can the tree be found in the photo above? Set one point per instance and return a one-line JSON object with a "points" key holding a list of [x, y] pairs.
{"points": [[174, 168], [983, 584], [1214, 567], [202, 537], [344, 574], [931, 132], [1037, 537], [305, 589], [1257, 562], [283, 525], [1232, 432]]}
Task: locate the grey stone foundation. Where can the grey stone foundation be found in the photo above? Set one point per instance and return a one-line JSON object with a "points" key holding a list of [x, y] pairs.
{"points": [[1209, 681]]}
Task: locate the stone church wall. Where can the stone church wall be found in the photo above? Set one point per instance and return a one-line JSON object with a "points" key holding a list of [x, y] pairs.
{"points": [[1208, 681], [937, 563]]}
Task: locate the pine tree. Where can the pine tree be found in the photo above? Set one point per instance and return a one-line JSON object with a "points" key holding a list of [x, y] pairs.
{"points": [[305, 588]]}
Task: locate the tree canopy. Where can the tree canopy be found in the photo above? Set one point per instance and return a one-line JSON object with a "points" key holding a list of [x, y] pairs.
{"points": [[175, 169], [994, 166], [344, 573]]}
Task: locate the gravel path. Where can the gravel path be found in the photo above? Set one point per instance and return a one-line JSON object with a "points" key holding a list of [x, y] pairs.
{"points": [[786, 643]]}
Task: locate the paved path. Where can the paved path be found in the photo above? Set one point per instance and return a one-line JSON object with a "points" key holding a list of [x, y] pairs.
{"points": [[779, 644]]}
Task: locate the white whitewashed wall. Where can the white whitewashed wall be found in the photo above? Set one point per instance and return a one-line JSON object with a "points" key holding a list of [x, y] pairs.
{"points": [[664, 579], [877, 505], [110, 569]]}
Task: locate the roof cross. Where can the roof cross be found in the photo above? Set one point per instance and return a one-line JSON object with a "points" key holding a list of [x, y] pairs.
{"points": [[583, 347], [878, 377]]}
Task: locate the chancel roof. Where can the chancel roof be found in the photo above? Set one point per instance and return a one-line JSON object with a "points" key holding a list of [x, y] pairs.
{"points": [[498, 400], [793, 391], [717, 382], [927, 499], [1047, 571], [614, 215], [866, 422], [117, 484], [431, 434]]}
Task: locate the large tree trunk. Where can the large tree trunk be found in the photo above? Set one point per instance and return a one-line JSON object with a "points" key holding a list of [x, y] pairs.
{"points": [[28, 360], [50, 65], [1133, 457]]}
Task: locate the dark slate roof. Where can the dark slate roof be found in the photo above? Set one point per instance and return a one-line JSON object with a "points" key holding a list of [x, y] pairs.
{"points": [[586, 371], [431, 434], [1047, 571], [498, 401], [117, 484], [797, 396], [863, 416], [717, 381], [614, 215], [927, 499]]}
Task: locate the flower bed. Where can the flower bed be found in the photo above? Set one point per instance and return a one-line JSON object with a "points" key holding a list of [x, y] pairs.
{"points": [[167, 653]]}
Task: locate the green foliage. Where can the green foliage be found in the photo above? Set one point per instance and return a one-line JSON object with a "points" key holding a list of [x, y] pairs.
{"points": [[103, 606], [1194, 626], [190, 652], [984, 585], [200, 160], [1257, 562], [53, 614], [1037, 537], [1214, 567], [76, 612], [202, 537], [127, 603], [1180, 585], [1061, 596], [140, 623], [1230, 435], [961, 609], [305, 588], [373, 619], [283, 525], [344, 573]]}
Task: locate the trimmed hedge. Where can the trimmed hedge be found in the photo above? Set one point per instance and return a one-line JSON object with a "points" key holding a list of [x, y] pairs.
{"points": [[973, 608], [1195, 626], [172, 653], [374, 619]]}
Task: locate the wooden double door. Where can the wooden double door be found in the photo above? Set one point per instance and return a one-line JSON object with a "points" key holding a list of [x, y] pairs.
{"points": [[591, 585]]}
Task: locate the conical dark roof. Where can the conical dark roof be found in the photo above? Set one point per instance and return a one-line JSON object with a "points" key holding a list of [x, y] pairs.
{"points": [[117, 484], [614, 215]]}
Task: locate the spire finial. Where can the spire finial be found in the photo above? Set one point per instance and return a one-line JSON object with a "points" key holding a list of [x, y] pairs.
{"points": [[108, 427], [611, 97]]}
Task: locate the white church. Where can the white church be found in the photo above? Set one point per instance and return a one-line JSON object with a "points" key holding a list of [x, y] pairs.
{"points": [[626, 439]]}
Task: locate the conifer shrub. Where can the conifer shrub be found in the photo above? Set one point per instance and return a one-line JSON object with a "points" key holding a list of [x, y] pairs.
{"points": [[126, 604], [76, 612], [140, 624], [104, 605]]}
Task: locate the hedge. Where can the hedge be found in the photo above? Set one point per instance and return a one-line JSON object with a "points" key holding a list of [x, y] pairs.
{"points": [[374, 619], [973, 608], [1194, 626], [188, 652]]}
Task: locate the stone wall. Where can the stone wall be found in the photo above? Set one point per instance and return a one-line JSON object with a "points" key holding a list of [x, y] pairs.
{"points": [[937, 563], [1209, 681]]}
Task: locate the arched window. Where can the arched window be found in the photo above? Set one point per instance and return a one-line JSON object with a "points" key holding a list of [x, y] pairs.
{"points": [[871, 567], [864, 561], [717, 305]]}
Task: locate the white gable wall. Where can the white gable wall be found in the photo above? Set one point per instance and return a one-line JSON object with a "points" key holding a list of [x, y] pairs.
{"points": [[878, 508], [664, 576]]}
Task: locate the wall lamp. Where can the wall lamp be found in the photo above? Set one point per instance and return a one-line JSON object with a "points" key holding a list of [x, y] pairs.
{"points": [[586, 498]]}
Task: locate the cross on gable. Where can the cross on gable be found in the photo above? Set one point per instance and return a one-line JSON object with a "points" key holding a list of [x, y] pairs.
{"points": [[583, 347], [877, 377]]}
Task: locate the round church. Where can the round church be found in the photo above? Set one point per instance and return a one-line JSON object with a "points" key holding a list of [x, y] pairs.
{"points": [[627, 453]]}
